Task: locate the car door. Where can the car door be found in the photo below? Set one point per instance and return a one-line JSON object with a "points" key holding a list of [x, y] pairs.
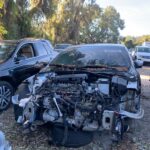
{"points": [[24, 62]]}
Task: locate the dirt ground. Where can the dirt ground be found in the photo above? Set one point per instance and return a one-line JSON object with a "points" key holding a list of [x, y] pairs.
{"points": [[138, 137]]}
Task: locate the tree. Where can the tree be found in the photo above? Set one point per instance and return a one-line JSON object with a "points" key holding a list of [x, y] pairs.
{"points": [[90, 23], [71, 21], [24, 19], [66, 22], [19, 23], [2, 28], [129, 41], [105, 28], [10, 11], [111, 24], [139, 40], [44, 17]]}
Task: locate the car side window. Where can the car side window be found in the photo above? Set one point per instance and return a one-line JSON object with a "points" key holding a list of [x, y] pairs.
{"points": [[41, 49], [26, 51], [47, 47]]}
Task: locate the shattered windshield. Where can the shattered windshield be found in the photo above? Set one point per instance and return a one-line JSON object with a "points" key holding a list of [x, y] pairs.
{"points": [[6, 50], [110, 56]]}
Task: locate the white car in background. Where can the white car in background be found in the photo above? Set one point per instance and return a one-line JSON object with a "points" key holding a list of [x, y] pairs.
{"points": [[143, 53]]}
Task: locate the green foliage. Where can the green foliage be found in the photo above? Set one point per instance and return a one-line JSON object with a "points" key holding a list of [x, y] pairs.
{"points": [[110, 25], [131, 42], [71, 21], [141, 39], [104, 28], [2, 28], [19, 23], [1, 4], [2, 31]]}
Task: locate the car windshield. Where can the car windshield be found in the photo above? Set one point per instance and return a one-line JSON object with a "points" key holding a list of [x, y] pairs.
{"points": [[143, 49], [6, 49], [62, 46], [111, 56]]}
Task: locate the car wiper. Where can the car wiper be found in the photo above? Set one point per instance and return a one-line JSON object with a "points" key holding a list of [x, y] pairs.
{"points": [[81, 67], [62, 66], [97, 66], [76, 67]]}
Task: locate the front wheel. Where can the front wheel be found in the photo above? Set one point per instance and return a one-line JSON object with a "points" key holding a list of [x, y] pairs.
{"points": [[6, 92]]}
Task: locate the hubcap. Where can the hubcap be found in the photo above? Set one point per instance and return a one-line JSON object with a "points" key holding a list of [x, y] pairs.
{"points": [[5, 97]]}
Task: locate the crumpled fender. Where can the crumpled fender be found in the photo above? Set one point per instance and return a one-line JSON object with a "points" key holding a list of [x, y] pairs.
{"points": [[137, 115]]}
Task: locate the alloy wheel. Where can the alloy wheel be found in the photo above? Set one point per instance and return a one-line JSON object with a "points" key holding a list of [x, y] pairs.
{"points": [[5, 97]]}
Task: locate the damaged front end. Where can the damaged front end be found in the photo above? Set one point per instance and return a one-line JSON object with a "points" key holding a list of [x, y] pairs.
{"points": [[81, 92], [81, 101]]}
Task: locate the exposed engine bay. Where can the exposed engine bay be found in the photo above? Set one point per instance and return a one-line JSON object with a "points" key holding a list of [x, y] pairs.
{"points": [[81, 101]]}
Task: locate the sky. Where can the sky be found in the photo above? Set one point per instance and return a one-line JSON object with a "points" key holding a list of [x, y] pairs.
{"points": [[135, 13]]}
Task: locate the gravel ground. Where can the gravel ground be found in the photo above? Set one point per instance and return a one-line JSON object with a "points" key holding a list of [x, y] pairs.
{"points": [[138, 137]]}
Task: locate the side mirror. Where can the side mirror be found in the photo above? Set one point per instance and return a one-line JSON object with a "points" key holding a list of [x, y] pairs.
{"points": [[138, 63], [16, 59]]}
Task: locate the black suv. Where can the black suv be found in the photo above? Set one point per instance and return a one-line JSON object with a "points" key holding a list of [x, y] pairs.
{"points": [[18, 61]]}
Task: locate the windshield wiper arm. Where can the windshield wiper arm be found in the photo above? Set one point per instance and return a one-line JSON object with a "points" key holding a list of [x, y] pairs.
{"points": [[97, 66], [76, 67], [62, 66]]}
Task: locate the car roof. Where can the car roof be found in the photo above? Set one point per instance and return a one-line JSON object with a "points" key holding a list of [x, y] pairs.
{"points": [[30, 40], [24, 40], [102, 45], [63, 44]]}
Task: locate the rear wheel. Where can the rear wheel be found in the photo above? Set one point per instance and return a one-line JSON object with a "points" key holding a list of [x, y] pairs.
{"points": [[6, 92]]}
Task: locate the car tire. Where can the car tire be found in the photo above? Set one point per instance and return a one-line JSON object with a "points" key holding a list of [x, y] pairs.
{"points": [[22, 91], [6, 92]]}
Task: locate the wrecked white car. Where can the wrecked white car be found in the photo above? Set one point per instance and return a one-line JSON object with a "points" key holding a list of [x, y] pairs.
{"points": [[86, 88]]}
